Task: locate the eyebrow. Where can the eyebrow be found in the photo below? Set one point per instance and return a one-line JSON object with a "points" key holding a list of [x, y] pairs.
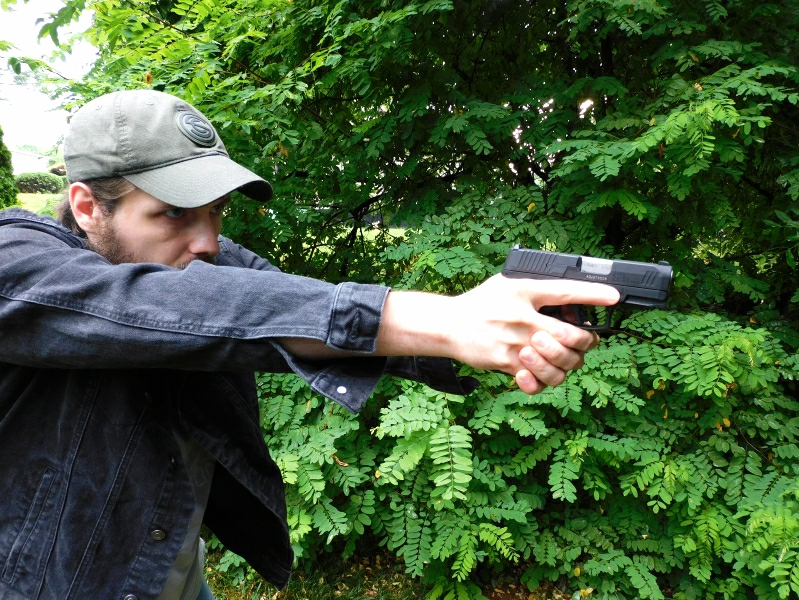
{"points": [[223, 201]]}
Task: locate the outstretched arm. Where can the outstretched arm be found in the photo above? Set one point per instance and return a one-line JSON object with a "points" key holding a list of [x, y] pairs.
{"points": [[495, 326], [62, 306]]}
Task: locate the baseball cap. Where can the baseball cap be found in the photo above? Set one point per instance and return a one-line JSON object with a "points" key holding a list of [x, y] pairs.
{"points": [[161, 144]]}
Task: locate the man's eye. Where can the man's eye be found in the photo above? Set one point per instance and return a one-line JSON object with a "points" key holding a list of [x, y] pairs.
{"points": [[219, 209], [175, 212]]}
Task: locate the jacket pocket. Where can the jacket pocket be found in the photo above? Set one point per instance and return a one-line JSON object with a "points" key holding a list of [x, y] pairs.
{"points": [[24, 567]]}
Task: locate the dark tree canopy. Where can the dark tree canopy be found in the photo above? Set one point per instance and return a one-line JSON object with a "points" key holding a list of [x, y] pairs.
{"points": [[646, 130]]}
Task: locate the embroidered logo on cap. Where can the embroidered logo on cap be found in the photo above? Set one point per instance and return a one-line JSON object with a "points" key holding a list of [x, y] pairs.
{"points": [[196, 128]]}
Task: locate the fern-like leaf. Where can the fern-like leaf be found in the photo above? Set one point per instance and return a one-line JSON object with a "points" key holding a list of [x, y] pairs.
{"points": [[500, 539], [466, 559], [450, 450], [404, 457], [330, 520]]}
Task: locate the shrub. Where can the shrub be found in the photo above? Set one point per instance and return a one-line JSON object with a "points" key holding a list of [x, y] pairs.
{"points": [[8, 191], [39, 183], [667, 467]]}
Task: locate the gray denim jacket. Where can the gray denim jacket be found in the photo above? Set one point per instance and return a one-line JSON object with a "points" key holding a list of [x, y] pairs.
{"points": [[97, 359]]}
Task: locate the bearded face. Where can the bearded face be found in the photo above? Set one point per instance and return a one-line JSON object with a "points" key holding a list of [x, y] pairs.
{"points": [[144, 229]]}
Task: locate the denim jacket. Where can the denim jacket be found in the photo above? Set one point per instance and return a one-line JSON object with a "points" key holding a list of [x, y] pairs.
{"points": [[97, 359]]}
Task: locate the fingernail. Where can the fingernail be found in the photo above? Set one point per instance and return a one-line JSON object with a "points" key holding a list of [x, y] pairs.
{"points": [[525, 380]]}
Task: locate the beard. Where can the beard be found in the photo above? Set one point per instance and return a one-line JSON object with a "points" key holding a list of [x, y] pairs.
{"points": [[108, 245]]}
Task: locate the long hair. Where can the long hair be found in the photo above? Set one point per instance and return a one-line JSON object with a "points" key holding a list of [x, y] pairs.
{"points": [[108, 192]]}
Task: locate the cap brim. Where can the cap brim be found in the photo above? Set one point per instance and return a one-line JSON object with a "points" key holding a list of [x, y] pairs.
{"points": [[199, 181]]}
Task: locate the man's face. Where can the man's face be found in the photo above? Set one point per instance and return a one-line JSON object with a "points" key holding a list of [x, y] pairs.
{"points": [[144, 229]]}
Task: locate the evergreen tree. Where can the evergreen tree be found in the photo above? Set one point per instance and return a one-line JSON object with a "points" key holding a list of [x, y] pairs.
{"points": [[8, 191]]}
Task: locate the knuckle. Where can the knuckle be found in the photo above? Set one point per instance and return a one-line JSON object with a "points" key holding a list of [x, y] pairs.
{"points": [[508, 364], [576, 361], [529, 355], [554, 378]]}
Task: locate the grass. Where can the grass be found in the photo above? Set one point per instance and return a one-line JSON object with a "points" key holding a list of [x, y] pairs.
{"points": [[372, 574], [39, 203], [378, 577]]}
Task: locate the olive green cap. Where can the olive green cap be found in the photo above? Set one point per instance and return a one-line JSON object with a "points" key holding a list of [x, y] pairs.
{"points": [[161, 144]]}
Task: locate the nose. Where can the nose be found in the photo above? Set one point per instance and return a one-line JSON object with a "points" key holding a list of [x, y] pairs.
{"points": [[204, 240]]}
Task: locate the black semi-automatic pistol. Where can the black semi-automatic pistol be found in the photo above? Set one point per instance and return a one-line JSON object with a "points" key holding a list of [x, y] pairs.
{"points": [[640, 284]]}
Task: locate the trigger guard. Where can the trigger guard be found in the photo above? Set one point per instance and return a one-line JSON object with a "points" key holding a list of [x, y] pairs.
{"points": [[579, 320]]}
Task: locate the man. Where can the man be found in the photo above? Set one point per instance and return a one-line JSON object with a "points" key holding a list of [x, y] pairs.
{"points": [[129, 336]]}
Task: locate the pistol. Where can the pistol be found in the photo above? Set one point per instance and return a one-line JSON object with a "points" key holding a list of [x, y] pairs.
{"points": [[640, 284]]}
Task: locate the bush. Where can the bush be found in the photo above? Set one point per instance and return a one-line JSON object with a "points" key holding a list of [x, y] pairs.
{"points": [[39, 183], [667, 467], [8, 191]]}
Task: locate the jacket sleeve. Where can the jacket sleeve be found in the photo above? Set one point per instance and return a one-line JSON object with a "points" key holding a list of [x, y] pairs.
{"points": [[437, 373], [62, 306]]}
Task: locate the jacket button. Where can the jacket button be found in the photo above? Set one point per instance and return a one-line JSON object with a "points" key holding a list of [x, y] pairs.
{"points": [[130, 597], [157, 534]]}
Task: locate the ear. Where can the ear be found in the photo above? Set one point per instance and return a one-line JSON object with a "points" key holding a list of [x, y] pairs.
{"points": [[85, 208]]}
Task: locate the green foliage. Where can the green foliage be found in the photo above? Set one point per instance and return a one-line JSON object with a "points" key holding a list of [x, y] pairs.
{"points": [[8, 191], [45, 204], [54, 154], [645, 131], [412, 143], [688, 482], [39, 183]]}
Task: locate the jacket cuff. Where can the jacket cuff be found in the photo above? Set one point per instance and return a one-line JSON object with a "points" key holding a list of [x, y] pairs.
{"points": [[355, 317], [346, 381], [350, 381]]}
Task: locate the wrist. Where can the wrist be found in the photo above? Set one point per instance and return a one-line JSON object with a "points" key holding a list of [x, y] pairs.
{"points": [[416, 324]]}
